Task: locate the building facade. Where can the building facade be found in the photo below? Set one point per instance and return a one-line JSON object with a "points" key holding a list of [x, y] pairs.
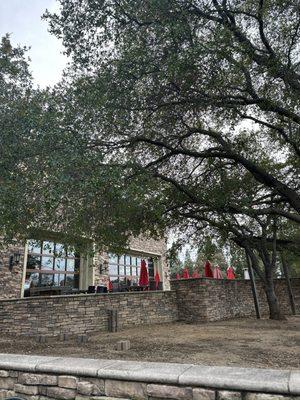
{"points": [[51, 267]]}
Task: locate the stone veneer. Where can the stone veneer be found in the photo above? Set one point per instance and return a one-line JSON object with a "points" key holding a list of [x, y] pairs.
{"points": [[84, 314], [207, 299], [191, 300], [51, 378], [11, 281]]}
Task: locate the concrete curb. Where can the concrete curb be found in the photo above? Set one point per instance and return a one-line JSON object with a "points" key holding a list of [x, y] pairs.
{"points": [[228, 378]]}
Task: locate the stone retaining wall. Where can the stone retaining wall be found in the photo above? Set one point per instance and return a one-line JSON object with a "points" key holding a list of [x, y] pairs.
{"points": [[50, 378], [191, 300], [83, 314], [208, 299]]}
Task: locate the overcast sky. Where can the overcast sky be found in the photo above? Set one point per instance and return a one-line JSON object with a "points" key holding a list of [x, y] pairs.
{"points": [[22, 19]]}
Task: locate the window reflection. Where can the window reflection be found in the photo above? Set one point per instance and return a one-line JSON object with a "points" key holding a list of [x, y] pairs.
{"points": [[51, 264]]}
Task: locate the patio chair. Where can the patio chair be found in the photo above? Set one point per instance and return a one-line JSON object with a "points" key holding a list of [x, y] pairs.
{"points": [[91, 289]]}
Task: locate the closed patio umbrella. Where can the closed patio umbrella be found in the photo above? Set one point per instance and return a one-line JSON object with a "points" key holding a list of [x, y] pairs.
{"points": [[230, 273], [185, 274], [217, 273], [110, 285], [157, 279], [207, 270], [144, 278], [195, 274]]}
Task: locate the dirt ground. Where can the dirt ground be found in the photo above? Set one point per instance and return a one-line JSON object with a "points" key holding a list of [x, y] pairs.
{"points": [[242, 342]]}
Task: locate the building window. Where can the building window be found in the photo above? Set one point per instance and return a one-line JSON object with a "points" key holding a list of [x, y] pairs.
{"points": [[126, 267], [52, 264]]}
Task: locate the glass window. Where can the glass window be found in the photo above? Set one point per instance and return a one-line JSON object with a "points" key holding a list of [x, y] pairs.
{"points": [[71, 264], [60, 250], [121, 260], [60, 265], [151, 267], [119, 272], [128, 260], [113, 269], [48, 247], [33, 262], [47, 263], [46, 280], [34, 246]]}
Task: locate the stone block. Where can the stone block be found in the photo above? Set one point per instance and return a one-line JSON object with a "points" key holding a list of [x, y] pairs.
{"points": [[13, 374], [41, 339], [4, 373], [69, 382], [98, 386], [239, 379], [85, 388], [152, 372], [76, 366], [135, 390], [37, 379], [19, 388], [4, 394], [265, 396], [7, 383], [123, 345], [229, 395], [294, 382], [82, 339], [169, 392], [203, 394], [61, 393]]}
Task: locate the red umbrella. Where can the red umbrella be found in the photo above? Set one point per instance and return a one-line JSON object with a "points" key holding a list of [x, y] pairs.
{"points": [[157, 279], [185, 274], [177, 276], [110, 285], [144, 278], [196, 274], [217, 273], [207, 270], [230, 273]]}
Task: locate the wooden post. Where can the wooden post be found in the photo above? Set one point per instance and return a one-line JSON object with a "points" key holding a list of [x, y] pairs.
{"points": [[112, 320], [288, 283], [253, 287]]}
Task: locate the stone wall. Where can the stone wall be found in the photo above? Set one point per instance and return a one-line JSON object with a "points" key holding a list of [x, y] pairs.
{"points": [[191, 300], [81, 314], [11, 280], [51, 378], [206, 299]]}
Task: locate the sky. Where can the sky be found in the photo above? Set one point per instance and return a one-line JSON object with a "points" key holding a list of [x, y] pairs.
{"points": [[22, 19]]}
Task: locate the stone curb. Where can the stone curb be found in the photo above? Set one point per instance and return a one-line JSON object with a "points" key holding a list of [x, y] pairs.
{"points": [[229, 378]]}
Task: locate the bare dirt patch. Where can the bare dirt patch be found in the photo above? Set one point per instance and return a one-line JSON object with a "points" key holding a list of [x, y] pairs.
{"points": [[240, 342]]}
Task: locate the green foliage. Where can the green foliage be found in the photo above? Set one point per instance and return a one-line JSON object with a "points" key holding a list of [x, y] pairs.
{"points": [[188, 262]]}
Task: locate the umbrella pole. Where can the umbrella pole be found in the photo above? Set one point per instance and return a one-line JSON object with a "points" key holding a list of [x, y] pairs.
{"points": [[288, 283], [253, 287]]}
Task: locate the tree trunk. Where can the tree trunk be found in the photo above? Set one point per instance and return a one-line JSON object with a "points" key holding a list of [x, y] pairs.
{"points": [[273, 303]]}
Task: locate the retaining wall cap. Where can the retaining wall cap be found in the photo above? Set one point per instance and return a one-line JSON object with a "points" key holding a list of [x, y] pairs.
{"points": [[74, 366], [252, 379], [232, 378], [22, 362], [294, 383], [144, 371]]}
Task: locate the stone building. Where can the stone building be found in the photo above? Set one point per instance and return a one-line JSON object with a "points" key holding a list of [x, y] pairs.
{"points": [[49, 266]]}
